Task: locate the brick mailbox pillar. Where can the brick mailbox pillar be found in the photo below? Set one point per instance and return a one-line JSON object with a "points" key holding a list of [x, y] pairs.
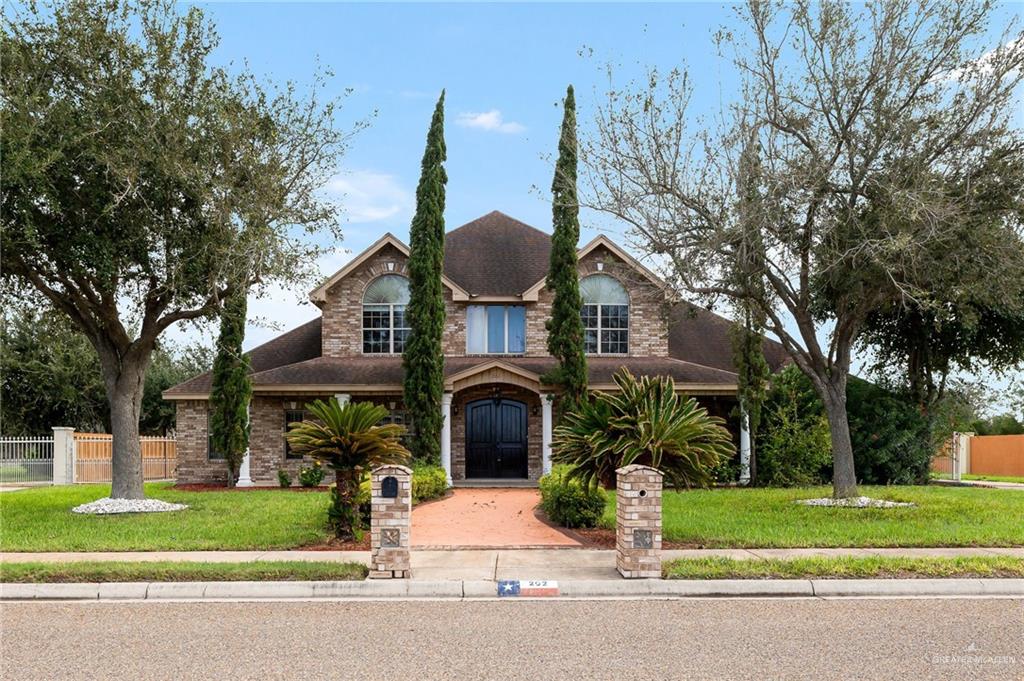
{"points": [[638, 522], [390, 519]]}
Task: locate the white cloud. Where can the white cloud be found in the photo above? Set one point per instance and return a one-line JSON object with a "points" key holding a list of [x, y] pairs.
{"points": [[491, 121], [985, 64], [369, 196]]}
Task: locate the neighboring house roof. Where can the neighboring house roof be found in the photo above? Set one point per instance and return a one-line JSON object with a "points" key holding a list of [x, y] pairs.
{"points": [[496, 255]]}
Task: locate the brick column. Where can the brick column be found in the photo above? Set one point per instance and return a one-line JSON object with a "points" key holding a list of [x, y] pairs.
{"points": [[638, 522], [390, 520]]}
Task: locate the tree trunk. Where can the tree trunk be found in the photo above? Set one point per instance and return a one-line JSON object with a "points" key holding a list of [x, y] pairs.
{"points": [[844, 477], [125, 396]]}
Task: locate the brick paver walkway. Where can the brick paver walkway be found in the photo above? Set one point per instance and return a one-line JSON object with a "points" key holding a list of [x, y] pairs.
{"points": [[485, 517]]}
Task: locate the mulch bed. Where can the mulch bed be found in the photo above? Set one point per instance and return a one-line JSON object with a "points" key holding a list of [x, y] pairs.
{"points": [[215, 487], [338, 545], [603, 538]]}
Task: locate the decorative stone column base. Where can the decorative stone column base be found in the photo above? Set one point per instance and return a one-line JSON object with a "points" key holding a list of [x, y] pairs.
{"points": [[390, 520], [638, 522]]}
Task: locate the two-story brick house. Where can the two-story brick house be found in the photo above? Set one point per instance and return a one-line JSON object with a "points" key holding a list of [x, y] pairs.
{"points": [[497, 416]]}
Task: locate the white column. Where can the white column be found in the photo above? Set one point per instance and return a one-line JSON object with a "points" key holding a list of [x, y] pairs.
{"points": [[343, 398], [244, 474], [545, 404], [744, 446], [446, 435], [63, 455]]}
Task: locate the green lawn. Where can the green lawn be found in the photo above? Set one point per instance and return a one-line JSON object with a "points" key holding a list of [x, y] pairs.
{"points": [[39, 519], [167, 571], [995, 478], [944, 516], [844, 568]]}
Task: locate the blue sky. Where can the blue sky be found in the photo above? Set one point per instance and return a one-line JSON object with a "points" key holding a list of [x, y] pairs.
{"points": [[505, 68]]}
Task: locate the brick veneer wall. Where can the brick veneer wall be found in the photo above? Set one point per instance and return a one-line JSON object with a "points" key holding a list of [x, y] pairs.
{"points": [[390, 514], [191, 434], [342, 311], [638, 509], [342, 334], [266, 440], [648, 312], [534, 455]]}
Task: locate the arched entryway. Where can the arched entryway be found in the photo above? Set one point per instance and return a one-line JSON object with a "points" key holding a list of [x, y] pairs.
{"points": [[496, 438]]}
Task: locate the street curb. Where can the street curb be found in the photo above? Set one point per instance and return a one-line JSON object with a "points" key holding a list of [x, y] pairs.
{"points": [[482, 589]]}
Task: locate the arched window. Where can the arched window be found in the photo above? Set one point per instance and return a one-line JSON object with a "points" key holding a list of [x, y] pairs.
{"points": [[385, 328], [605, 315]]}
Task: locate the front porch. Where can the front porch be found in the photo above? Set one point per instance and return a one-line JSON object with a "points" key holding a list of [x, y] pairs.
{"points": [[497, 427]]}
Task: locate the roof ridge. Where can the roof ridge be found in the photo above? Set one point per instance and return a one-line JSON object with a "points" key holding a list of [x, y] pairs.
{"points": [[504, 215]]}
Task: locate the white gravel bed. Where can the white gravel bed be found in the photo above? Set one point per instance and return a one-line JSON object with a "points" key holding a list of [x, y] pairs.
{"points": [[107, 506], [854, 502]]}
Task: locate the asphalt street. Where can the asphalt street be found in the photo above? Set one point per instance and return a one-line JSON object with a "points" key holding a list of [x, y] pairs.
{"points": [[614, 639]]}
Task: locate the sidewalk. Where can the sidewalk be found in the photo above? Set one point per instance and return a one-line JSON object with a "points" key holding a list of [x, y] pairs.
{"points": [[995, 484], [490, 565]]}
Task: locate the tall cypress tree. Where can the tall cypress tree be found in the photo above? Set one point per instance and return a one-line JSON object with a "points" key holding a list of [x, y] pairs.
{"points": [[231, 389], [565, 328], [423, 359]]}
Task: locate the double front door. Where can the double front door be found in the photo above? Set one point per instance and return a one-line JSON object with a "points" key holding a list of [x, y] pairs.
{"points": [[496, 439]]}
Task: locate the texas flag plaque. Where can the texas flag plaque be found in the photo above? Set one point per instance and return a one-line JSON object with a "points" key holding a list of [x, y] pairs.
{"points": [[536, 588]]}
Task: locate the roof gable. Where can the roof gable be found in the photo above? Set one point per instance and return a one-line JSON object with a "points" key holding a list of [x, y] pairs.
{"points": [[319, 294], [601, 241]]}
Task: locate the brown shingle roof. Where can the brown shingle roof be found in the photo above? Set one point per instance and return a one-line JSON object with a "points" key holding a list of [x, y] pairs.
{"points": [[387, 371], [496, 255], [299, 344], [700, 336]]}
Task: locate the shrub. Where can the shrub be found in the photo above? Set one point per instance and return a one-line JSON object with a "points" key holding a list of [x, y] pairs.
{"points": [[283, 479], [569, 502], [646, 423], [349, 440], [891, 440], [794, 446], [311, 476], [428, 482]]}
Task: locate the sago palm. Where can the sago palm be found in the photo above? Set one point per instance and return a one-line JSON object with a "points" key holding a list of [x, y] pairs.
{"points": [[647, 423], [349, 441]]}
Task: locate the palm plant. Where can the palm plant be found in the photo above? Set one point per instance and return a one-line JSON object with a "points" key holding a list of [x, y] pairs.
{"points": [[647, 423], [348, 440]]}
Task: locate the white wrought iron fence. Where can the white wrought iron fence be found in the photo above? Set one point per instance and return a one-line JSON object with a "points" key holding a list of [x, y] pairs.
{"points": [[26, 460]]}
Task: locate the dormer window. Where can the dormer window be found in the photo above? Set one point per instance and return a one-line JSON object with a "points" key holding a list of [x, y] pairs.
{"points": [[385, 328], [605, 315]]}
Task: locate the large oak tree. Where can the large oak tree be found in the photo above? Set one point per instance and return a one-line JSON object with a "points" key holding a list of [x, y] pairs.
{"points": [[843, 170], [142, 184]]}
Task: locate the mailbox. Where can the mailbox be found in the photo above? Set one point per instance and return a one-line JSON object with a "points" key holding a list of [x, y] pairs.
{"points": [[389, 487]]}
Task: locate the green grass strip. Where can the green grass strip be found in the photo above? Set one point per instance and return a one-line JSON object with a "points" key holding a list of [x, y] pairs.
{"points": [[995, 478], [172, 571], [846, 567]]}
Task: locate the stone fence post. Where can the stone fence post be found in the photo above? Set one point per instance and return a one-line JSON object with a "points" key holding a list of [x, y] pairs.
{"points": [[390, 520], [63, 455], [638, 522]]}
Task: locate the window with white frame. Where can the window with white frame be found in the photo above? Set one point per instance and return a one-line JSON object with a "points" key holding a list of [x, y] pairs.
{"points": [[495, 329], [605, 315], [385, 328]]}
